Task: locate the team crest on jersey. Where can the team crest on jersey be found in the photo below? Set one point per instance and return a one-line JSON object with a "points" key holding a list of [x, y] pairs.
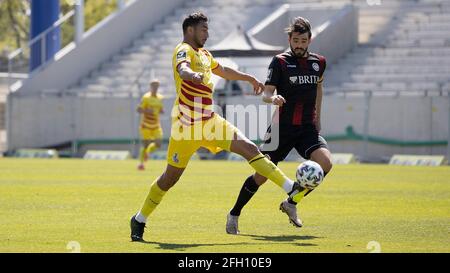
{"points": [[175, 158], [316, 67], [181, 55]]}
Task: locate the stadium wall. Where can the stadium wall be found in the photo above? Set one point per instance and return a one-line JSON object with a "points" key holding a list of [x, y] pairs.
{"points": [[397, 125], [48, 119], [404, 124], [100, 43]]}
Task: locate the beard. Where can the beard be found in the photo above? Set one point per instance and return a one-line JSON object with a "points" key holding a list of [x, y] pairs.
{"points": [[199, 43], [299, 52]]}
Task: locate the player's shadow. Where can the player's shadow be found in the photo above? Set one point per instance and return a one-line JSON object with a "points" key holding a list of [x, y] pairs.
{"points": [[183, 247], [292, 239]]}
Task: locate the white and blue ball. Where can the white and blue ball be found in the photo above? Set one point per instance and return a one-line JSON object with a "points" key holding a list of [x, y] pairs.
{"points": [[309, 175]]}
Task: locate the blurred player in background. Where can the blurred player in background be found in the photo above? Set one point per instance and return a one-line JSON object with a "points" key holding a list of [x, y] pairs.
{"points": [[151, 132], [297, 76]]}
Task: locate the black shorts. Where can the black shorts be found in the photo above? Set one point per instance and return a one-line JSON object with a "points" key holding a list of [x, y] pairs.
{"points": [[305, 139]]}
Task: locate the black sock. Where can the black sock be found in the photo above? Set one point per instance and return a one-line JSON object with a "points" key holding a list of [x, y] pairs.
{"points": [[248, 190], [310, 191]]}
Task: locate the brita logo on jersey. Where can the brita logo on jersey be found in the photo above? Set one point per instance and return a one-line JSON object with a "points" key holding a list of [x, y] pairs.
{"points": [[304, 80]]}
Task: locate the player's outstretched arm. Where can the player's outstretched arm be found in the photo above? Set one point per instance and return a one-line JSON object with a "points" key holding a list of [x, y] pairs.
{"points": [[270, 97], [234, 75], [187, 74]]}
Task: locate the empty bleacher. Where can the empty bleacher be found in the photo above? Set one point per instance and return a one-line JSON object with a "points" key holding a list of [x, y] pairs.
{"points": [[151, 55], [404, 46], [411, 56]]}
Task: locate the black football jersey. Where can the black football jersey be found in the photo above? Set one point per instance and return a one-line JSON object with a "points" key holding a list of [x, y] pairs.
{"points": [[296, 79]]}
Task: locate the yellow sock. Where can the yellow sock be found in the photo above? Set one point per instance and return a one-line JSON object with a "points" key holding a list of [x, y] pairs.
{"points": [[299, 196], [153, 199], [266, 168], [142, 155], [151, 148]]}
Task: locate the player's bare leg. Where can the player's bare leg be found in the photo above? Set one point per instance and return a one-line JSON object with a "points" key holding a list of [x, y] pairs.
{"points": [[170, 177], [158, 189], [285, 207], [289, 207], [323, 157], [261, 164], [249, 189], [143, 154], [154, 146], [264, 168], [158, 143]]}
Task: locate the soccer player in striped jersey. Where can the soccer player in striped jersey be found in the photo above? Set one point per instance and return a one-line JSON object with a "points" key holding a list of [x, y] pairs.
{"points": [[195, 124], [151, 108], [297, 76]]}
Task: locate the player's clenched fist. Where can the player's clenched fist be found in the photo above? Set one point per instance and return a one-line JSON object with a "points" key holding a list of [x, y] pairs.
{"points": [[278, 100], [198, 78]]}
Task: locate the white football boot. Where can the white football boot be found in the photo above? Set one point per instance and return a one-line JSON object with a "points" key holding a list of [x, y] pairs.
{"points": [[291, 211], [232, 224]]}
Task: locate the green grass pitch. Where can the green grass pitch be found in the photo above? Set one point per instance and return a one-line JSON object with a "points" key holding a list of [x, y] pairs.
{"points": [[45, 204]]}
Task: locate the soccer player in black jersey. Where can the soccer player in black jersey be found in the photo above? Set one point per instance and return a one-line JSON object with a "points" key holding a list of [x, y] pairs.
{"points": [[297, 76]]}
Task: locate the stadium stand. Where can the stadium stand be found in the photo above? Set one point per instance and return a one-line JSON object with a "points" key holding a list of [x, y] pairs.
{"points": [[401, 45], [153, 51], [411, 53]]}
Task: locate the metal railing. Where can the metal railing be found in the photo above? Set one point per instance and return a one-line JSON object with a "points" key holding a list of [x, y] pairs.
{"points": [[76, 36], [40, 39]]}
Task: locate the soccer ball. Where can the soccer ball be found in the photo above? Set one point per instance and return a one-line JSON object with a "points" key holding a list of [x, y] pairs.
{"points": [[309, 175]]}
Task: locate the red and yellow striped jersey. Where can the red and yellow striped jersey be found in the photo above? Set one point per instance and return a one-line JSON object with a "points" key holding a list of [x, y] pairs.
{"points": [[151, 122], [194, 101]]}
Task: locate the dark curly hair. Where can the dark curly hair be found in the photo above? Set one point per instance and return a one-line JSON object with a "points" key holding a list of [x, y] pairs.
{"points": [[300, 25], [193, 20]]}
